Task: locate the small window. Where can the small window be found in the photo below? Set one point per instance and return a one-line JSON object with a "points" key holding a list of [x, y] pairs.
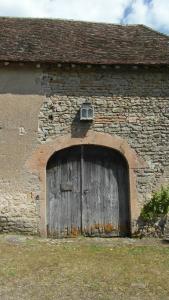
{"points": [[87, 112]]}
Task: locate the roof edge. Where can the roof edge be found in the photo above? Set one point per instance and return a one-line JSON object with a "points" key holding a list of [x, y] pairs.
{"points": [[154, 30], [83, 21]]}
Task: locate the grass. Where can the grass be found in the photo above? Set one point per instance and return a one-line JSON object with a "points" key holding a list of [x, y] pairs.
{"points": [[32, 269]]}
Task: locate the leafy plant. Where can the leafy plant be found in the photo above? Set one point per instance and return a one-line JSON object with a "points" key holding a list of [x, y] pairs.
{"points": [[157, 206]]}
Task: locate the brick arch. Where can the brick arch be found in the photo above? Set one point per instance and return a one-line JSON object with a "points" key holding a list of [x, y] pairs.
{"points": [[38, 161]]}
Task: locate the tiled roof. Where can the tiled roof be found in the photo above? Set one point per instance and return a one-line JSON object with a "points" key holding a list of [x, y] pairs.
{"points": [[50, 40]]}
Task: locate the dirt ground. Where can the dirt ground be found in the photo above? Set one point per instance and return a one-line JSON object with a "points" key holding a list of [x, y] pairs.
{"points": [[83, 268]]}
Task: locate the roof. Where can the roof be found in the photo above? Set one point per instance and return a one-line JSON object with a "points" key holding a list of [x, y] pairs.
{"points": [[52, 40]]}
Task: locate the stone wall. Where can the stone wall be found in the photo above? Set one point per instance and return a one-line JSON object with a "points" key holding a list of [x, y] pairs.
{"points": [[132, 104], [39, 105]]}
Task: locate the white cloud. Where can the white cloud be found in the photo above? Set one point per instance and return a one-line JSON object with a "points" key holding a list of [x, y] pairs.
{"points": [[94, 10], [139, 13], [154, 13], [160, 14]]}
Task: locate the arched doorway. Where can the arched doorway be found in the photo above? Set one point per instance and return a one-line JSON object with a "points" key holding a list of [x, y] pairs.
{"points": [[88, 192]]}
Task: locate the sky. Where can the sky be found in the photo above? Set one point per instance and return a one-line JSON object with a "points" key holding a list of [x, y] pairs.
{"points": [[153, 13]]}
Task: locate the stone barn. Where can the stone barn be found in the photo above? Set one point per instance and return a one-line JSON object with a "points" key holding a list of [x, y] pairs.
{"points": [[84, 125]]}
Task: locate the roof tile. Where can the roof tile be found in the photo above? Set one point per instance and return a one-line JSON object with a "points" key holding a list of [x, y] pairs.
{"points": [[52, 40]]}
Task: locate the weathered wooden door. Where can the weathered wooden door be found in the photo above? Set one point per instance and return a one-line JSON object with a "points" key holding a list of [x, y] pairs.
{"points": [[64, 193], [87, 192]]}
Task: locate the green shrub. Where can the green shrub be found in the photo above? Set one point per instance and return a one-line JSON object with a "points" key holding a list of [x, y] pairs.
{"points": [[157, 206]]}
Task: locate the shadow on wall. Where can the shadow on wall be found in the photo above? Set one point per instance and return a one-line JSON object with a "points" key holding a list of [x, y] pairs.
{"points": [[79, 128]]}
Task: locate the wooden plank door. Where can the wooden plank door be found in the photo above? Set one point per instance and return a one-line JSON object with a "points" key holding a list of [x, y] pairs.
{"points": [[87, 192], [64, 193], [105, 189]]}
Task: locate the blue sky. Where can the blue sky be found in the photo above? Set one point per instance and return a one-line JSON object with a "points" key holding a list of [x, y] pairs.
{"points": [[153, 13]]}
